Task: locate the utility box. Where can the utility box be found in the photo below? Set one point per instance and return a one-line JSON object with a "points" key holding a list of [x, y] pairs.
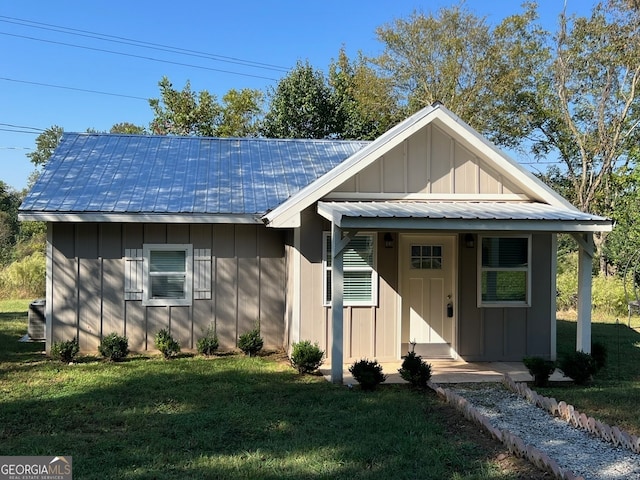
{"points": [[36, 327]]}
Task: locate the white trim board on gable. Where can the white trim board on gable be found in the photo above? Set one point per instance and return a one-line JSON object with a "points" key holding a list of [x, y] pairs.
{"points": [[287, 214]]}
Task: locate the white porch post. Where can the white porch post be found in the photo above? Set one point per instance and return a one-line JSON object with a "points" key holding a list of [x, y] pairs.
{"points": [[585, 264], [337, 303]]}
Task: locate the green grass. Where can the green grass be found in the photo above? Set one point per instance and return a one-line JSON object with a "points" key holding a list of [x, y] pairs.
{"points": [[613, 395], [225, 417]]}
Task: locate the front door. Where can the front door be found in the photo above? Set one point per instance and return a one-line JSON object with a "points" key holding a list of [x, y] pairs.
{"points": [[428, 294]]}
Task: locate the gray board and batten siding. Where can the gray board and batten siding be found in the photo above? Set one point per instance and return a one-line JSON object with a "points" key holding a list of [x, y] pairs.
{"points": [[247, 277]]}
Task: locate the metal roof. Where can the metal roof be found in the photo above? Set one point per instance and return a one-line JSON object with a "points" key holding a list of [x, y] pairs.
{"points": [[484, 215], [138, 174]]}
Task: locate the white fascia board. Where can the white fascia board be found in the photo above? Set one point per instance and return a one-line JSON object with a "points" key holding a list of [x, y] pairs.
{"points": [[347, 169], [465, 225], [137, 217]]}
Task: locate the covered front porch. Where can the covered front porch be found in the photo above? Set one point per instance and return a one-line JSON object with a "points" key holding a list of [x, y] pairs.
{"points": [[493, 225]]}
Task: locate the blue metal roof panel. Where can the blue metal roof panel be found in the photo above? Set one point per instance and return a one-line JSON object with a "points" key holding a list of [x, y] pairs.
{"points": [[109, 173]]}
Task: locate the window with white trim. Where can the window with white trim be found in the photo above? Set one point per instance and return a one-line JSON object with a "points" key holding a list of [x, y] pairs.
{"points": [[359, 265], [167, 274], [504, 273]]}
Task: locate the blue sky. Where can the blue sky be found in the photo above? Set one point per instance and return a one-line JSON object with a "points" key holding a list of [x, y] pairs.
{"points": [[36, 60]]}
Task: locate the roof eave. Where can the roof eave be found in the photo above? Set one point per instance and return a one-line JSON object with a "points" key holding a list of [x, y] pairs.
{"points": [[466, 225], [110, 217]]}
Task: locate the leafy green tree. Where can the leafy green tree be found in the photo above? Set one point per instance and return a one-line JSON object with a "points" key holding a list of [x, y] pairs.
{"points": [[365, 103], [184, 112], [187, 112], [596, 76], [300, 106], [241, 113], [480, 73], [127, 128], [9, 225], [46, 143]]}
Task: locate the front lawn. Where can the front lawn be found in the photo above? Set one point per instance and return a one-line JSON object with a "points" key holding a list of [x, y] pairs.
{"points": [[613, 395], [227, 417]]}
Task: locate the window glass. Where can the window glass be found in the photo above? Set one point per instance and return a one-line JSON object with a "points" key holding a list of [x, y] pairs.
{"points": [[426, 257], [168, 274], [504, 271], [359, 275]]}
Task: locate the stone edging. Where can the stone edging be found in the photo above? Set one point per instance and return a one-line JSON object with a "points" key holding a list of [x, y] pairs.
{"points": [[513, 443], [571, 415]]}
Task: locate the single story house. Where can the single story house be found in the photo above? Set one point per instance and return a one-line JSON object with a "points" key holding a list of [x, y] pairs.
{"points": [[428, 237]]}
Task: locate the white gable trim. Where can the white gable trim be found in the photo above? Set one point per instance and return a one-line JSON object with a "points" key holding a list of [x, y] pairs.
{"points": [[288, 213]]}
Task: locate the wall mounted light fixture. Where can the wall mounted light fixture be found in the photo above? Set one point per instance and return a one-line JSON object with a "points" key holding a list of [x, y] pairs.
{"points": [[469, 241], [388, 240]]}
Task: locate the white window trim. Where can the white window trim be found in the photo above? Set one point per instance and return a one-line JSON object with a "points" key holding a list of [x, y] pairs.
{"points": [[373, 301], [146, 289], [527, 269]]}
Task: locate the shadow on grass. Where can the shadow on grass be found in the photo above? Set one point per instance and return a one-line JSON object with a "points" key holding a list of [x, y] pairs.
{"points": [[228, 418]]}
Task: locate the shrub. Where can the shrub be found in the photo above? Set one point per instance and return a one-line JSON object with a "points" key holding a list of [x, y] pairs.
{"points": [[167, 345], [540, 369], [26, 277], [368, 374], [305, 357], [208, 344], [251, 342], [114, 347], [599, 354], [65, 351], [578, 366], [415, 370]]}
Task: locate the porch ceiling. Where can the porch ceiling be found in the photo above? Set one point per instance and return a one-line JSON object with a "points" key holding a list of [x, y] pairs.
{"points": [[461, 216]]}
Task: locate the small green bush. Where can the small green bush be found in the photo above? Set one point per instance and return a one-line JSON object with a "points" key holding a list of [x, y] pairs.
{"points": [[65, 351], [415, 370], [368, 374], [114, 347], [208, 344], [167, 345], [540, 369], [251, 342], [306, 357], [579, 366]]}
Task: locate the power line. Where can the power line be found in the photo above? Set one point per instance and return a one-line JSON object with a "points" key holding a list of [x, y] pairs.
{"points": [[143, 57], [14, 130], [140, 43], [73, 88], [22, 126]]}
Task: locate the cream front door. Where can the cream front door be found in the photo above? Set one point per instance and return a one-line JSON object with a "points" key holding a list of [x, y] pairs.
{"points": [[427, 290]]}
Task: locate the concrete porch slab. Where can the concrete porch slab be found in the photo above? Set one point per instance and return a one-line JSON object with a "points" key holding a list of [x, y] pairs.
{"points": [[454, 371]]}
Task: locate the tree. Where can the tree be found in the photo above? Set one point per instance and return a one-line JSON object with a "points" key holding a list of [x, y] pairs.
{"points": [[479, 73], [184, 112], [9, 225], [596, 76], [241, 113], [46, 143], [365, 103], [127, 128], [189, 113], [624, 241], [301, 106]]}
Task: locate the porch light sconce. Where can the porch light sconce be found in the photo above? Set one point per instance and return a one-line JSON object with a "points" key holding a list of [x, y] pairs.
{"points": [[388, 240], [469, 241]]}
